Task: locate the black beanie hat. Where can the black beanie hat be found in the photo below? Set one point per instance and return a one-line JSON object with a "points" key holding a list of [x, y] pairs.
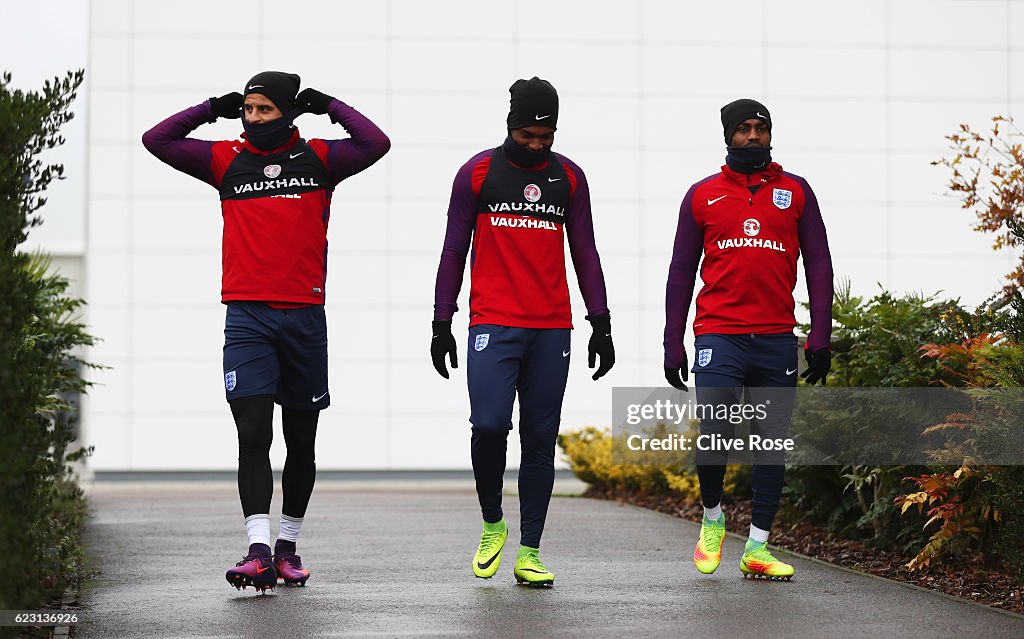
{"points": [[534, 102], [280, 88], [738, 112]]}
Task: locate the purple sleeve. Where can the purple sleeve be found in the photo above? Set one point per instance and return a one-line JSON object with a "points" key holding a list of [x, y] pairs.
{"points": [[368, 143], [582, 246], [817, 269], [682, 274], [168, 143], [461, 220]]}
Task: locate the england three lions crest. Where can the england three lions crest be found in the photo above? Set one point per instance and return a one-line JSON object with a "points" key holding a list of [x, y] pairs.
{"points": [[481, 341], [782, 198]]}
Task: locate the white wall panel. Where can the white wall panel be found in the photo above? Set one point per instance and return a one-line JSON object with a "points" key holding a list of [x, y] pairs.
{"points": [[924, 124], [813, 22], [605, 20], [193, 331], [344, 65], [447, 65], [427, 441], [110, 119], [608, 68], [454, 20], [703, 22], [812, 72], [111, 437], [111, 17], [331, 19], [798, 123], [166, 441], [175, 279], [928, 23], [180, 63], [108, 279], [954, 75], [110, 62], [109, 225], [109, 164], [356, 442]]}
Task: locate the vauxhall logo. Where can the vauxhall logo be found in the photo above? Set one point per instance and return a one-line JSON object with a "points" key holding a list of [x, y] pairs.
{"points": [[270, 185], [527, 207], [523, 223], [753, 242], [751, 228]]}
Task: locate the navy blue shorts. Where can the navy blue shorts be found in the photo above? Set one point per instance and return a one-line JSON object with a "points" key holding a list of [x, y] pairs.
{"points": [[276, 351]]}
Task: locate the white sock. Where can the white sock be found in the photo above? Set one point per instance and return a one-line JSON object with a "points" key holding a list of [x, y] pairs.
{"points": [[258, 528], [290, 527], [714, 513], [758, 535]]}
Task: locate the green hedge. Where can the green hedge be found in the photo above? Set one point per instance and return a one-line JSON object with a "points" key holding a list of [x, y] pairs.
{"points": [[41, 507]]}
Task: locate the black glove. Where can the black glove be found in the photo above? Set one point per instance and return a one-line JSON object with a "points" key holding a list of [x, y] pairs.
{"points": [[677, 376], [315, 102], [227, 106], [441, 344], [819, 363], [601, 344]]}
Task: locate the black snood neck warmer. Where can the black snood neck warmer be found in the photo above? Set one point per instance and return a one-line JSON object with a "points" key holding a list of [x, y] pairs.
{"points": [[270, 135], [748, 159], [523, 156]]}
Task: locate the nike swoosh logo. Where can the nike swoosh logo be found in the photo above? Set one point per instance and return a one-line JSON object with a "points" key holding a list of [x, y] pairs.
{"points": [[565, 353], [260, 571], [761, 116], [541, 117], [554, 179], [790, 372], [484, 566], [710, 202], [255, 86], [316, 399], [292, 157]]}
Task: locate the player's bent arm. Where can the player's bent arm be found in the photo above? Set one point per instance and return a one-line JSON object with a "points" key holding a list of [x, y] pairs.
{"points": [[367, 144], [168, 141]]}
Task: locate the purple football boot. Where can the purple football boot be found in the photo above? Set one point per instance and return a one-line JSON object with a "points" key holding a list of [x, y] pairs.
{"points": [[256, 569], [288, 564]]}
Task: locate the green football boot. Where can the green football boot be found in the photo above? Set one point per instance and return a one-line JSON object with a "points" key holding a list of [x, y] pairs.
{"points": [[530, 570], [708, 553], [757, 561], [488, 554]]}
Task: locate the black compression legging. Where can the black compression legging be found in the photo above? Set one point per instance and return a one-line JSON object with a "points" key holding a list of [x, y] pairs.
{"points": [[254, 419]]}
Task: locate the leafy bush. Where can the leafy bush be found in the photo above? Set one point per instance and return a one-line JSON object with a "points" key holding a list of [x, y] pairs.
{"points": [[41, 509], [876, 343], [590, 453]]}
